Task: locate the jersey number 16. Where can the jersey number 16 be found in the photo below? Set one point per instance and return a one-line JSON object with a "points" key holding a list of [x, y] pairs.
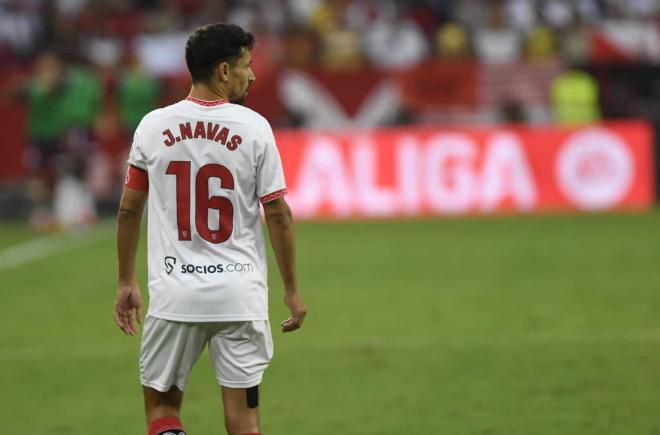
{"points": [[181, 169]]}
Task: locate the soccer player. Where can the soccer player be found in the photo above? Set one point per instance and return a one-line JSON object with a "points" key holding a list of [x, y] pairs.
{"points": [[205, 164]]}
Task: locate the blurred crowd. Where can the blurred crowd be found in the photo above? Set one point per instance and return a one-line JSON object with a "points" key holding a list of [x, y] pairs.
{"points": [[88, 71], [329, 33]]}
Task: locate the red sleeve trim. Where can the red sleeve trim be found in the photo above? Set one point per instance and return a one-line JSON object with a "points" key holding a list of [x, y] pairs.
{"points": [[272, 196], [137, 178]]}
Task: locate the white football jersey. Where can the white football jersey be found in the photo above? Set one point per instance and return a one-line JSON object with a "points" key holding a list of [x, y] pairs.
{"points": [[209, 165]]}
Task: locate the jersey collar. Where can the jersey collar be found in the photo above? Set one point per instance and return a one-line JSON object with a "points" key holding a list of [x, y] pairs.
{"points": [[206, 102]]}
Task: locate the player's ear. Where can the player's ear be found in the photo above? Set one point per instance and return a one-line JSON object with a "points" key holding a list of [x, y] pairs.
{"points": [[222, 70]]}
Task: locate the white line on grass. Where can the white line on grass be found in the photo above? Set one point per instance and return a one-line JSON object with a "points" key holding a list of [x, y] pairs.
{"points": [[46, 246]]}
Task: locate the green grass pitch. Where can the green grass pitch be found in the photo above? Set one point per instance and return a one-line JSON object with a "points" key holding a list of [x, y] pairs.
{"points": [[505, 325]]}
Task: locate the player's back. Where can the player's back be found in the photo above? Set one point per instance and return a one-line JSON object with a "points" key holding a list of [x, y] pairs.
{"points": [[209, 164]]}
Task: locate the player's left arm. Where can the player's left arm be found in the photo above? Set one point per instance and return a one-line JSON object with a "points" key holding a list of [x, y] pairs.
{"points": [[282, 238], [129, 300]]}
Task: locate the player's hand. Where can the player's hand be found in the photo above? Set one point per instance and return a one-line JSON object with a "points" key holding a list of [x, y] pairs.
{"points": [[127, 303], [295, 302]]}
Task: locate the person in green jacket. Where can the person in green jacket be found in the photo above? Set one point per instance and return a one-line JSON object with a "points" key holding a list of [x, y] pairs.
{"points": [[47, 123], [138, 93], [63, 103]]}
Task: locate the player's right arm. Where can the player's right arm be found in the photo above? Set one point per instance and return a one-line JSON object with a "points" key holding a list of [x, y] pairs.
{"points": [[129, 218], [279, 220]]}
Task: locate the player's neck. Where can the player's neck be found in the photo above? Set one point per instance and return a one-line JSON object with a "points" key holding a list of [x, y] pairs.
{"points": [[204, 92]]}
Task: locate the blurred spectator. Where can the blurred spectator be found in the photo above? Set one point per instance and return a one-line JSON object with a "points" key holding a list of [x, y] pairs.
{"points": [[260, 17], [300, 48], [471, 13], [138, 93], [574, 45], [574, 96], [395, 42], [20, 28], [339, 42], [589, 10], [63, 103], [69, 9], [451, 41], [302, 10], [47, 123], [521, 14], [497, 42], [74, 204], [631, 8], [103, 51], [541, 44], [161, 53], [558, 13], [83, 100], [422, 14]]}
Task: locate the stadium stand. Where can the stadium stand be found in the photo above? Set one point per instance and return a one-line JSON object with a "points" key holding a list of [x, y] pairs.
{"points": [[331, 64]]}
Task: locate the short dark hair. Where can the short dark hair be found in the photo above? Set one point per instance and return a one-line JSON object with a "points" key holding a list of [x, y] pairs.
{"points": [[214, 43]]}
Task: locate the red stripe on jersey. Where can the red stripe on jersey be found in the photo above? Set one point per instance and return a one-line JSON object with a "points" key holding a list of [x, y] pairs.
{"points": [[206, 103], [137, 178], [272, 196]]}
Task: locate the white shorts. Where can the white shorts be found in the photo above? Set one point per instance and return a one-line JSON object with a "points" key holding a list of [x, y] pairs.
{"points": [[240, 352]]}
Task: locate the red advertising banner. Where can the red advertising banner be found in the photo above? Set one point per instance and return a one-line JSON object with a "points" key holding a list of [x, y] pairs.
{"points": [[425, 171], [434, 85]]}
